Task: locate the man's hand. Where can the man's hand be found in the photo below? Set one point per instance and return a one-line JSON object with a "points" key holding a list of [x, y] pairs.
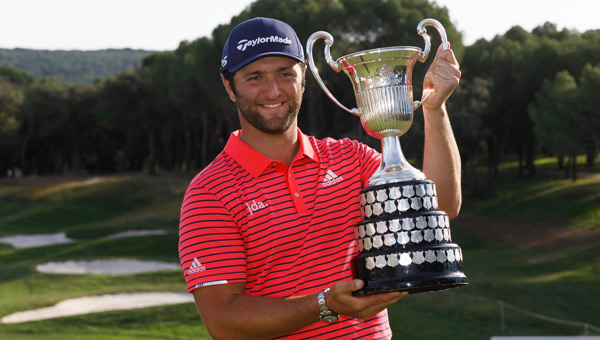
{"points": [[339, 300], [441, 79]]}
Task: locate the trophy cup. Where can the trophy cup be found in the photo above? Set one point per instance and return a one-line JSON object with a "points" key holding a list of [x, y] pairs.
{"points": [[404, 242]]}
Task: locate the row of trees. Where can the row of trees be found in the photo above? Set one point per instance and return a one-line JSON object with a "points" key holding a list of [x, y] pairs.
{"points": [[515, 95], [72, 66], [522, 93]]}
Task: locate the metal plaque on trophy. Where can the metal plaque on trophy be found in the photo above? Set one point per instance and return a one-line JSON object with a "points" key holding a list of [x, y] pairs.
{"points": [[404, 241]]}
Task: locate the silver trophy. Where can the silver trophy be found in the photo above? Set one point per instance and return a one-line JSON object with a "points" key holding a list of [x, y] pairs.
{"points": [[403, 241]]}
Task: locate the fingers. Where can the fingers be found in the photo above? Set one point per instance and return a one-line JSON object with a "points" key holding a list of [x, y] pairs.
{"points": [[341, 301], [445, 65], [442, 78], [349, 286], [378, 302]]}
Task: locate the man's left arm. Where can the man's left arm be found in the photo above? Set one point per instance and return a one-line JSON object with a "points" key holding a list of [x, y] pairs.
{"points": [[441, 160]]}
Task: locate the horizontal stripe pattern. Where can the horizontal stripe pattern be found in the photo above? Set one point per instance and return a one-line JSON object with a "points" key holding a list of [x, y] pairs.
{"points": [[243, 228]]}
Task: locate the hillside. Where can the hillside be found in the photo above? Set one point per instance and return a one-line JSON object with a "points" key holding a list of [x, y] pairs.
{"points": [[72, 66]]}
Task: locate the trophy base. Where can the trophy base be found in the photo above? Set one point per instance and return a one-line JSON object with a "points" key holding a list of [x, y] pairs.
{"points": [[390, 280], [404, 242]]}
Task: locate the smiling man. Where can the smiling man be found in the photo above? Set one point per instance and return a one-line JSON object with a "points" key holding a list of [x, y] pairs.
{"points": [[266, 230]]}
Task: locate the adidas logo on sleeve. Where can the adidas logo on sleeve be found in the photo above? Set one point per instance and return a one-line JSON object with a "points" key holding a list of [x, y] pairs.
{"points": [[196, 267]]}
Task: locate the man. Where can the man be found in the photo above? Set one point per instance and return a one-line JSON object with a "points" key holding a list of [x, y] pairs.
{"points": [[266, 238]]}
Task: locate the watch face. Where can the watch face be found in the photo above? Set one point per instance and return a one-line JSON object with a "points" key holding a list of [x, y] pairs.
{"points": [[330, 318]]}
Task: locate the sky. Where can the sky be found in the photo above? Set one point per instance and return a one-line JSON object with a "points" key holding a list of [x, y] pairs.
{"points": [[162, 24]]}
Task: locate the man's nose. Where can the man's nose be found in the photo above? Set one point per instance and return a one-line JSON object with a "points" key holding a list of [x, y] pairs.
{"points": [[272, 88]]}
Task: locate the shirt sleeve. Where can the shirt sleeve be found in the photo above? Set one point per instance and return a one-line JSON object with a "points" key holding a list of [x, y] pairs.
{"points": [[211, 249], [369, 159]]}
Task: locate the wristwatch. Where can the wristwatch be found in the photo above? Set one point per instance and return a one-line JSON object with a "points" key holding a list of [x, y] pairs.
{"points": [[325, 314]]}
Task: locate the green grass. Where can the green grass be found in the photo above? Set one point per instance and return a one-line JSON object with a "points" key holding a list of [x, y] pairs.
{"points": [[561, 282], [551, 164], [88, 209], [167, 322], [91, 207], [548, 195]]}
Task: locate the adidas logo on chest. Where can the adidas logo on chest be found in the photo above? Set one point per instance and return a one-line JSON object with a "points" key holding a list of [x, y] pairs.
{"points": [[331, 178]]}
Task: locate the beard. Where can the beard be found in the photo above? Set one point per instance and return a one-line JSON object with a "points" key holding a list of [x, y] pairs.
{"points": [[273, 126]]}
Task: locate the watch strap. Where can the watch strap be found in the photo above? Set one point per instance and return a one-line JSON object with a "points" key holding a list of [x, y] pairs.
{"points": [[324, 313]]}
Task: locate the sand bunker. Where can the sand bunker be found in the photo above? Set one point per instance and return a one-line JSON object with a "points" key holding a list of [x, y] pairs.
{"points": [[102, 303], [42, 240], [37, 240], [111, 267], [137, 232]]}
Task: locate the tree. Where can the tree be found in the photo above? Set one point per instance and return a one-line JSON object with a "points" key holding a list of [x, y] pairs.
{"points": [[42, 115], [558, 124], [16, 76], [130, 120], [12, 85], [590, 109], [518, 62], [11, 97], [469, 107], [80, 126]]}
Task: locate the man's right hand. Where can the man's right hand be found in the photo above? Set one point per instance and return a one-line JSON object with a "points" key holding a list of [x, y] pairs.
{"points": [[339, 300]]}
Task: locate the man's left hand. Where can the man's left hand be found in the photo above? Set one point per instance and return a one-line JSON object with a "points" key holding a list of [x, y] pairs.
{"points": [[441, 79]]}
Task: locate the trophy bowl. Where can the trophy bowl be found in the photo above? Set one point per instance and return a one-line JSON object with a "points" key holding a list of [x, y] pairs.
{"points": [[404, 241], [382, 84]]}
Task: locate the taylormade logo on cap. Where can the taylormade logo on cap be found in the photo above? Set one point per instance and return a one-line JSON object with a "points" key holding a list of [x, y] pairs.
{"points": [[245, 43], [257, 38]]}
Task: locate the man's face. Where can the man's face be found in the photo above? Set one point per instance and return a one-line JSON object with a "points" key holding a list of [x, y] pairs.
{"points": [[268, 93]]}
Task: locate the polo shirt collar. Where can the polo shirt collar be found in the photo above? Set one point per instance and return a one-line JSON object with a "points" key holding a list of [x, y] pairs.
{"points": [[254, 162]]}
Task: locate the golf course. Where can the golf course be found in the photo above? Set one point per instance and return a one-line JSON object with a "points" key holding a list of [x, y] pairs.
{"points": [[530, 246]]}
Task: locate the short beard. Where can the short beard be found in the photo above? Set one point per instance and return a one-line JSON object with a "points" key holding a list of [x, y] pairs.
{"points": [[252, 116]]}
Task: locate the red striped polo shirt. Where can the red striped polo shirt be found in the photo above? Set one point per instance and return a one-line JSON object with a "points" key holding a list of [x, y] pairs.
{"points": [[283, 231]]}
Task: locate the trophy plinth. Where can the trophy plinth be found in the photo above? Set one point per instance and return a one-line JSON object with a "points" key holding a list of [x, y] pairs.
{"points": [[404, 241]]}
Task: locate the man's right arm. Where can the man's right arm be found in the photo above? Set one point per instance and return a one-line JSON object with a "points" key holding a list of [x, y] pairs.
{"points": [[228, 313]]}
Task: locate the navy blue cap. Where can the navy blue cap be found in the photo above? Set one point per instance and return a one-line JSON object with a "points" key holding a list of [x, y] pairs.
{"points": [[257, 38]]}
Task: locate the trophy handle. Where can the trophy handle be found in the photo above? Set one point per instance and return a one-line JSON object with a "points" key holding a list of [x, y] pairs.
{"points": [[334, 65], [422, 31]]}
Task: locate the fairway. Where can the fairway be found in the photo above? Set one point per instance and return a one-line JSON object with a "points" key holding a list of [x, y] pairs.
{"points": [[541, 257]]}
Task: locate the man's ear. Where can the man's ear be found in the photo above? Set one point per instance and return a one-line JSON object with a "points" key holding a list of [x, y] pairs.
{"points": [[228, 88], [304, 79]]}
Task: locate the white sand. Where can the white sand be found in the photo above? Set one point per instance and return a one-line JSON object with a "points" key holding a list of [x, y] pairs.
{"points": [[111, 267], [137, 232], [37, 240], [102, 303], [94, 304], [42, 240]]}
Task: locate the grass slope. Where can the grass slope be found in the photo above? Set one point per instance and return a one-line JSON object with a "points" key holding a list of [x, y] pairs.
{"points": [[560, 279]]}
